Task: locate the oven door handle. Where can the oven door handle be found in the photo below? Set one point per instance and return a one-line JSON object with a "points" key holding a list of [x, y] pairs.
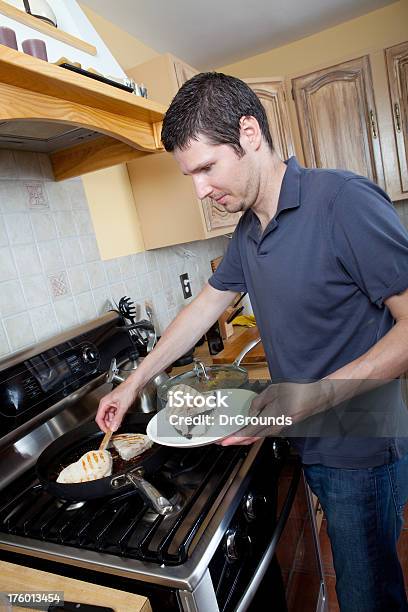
{"points": [[246, 599]]}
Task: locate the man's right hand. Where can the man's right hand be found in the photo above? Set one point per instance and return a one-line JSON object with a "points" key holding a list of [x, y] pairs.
{"points": [[113, 407]]}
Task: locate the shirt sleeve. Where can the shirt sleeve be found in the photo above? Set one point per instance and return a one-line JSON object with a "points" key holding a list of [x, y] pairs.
{"points": [[370, 242], [229, 275]]}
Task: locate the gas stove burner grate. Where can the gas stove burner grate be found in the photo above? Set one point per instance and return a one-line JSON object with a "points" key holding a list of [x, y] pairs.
{"points": [[124, 524]]}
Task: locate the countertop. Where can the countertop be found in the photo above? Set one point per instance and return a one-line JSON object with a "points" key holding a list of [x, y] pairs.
{"points": [[255, 371]]}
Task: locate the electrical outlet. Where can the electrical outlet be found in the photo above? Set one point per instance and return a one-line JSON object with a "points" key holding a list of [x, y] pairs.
{"points": [[185, 285]]}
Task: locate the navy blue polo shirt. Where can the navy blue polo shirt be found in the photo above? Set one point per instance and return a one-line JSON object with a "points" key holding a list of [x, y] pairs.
{"points": [[317, 278]]}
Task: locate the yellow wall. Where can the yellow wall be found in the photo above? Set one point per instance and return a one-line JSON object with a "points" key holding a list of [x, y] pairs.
{"points": [[109, 192], [127, 49], [113, 211], [381, 28]]}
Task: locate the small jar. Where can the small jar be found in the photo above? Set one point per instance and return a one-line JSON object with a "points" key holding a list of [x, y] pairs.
{"points": [[8, 38], [36, 48]]}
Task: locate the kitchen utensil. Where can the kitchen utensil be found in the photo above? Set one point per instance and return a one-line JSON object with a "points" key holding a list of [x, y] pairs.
{"points": [[69, 447], [235, 314], [146, 401], [238, 402], [210, 378], [8, 38], [153, 336], [36, 48], [106, 439], [127, 309], [240, 299]]}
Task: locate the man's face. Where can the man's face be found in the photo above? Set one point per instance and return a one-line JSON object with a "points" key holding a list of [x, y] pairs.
{"points": [[219, 173]]}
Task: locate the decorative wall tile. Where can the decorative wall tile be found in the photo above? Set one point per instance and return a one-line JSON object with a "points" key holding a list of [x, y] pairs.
{"points": [[139, 263], [43, 225], [78, 278], [8, 167], [85, 306], [13, 198], [28, 165], [144, 284], [4, 345], [35, 290], [59, 285], [19, 331], [71, 251], [11, 298], [89, 248], [83, 222], [96, 274], [151, 261], [76, 192], [66, 313], [36, 195], [7, 267], [112, 269], [45, 167], [57, 196], [65, 223], [51, 255], [3, 233], [101, 297], [18, 228], [44, 321], [118, 290], [126, 267], [27, 260], [34, 276]]}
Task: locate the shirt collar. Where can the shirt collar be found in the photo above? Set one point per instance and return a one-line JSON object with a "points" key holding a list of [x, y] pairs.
{"points": [[289, 197]]}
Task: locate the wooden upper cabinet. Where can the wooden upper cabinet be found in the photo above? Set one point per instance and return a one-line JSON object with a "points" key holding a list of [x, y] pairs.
{"points": [[337, 119], [273, 98], [397, 68]]}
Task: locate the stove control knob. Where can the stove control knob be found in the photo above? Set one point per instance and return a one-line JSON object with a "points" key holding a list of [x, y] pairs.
{"points": [[90, 354], [253, 506], [236, 544]]}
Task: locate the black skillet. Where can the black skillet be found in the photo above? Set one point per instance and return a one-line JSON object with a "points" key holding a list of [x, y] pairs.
{"points": [[126, 475]]}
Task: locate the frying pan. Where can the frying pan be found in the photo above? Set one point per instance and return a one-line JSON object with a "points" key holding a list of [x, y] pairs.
{"points": [[71, 446]]}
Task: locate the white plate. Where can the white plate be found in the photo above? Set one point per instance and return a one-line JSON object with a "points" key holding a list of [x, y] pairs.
{"points": [[238, 402]]}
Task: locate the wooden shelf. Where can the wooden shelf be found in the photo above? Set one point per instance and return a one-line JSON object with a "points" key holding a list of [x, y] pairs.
{"points": [[34, 90], [45, 28]]}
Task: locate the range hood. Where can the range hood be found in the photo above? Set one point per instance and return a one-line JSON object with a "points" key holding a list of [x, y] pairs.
{"points": [[82, 124]]}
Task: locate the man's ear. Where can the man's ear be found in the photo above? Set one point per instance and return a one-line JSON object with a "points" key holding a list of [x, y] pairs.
{"points": [[250, 132]]}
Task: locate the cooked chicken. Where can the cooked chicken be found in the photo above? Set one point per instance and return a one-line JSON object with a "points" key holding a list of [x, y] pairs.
{"points": [[91, 466], [130, 445], [184, 410]]}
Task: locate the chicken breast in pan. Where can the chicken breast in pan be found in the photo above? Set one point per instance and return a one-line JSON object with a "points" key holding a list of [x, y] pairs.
{"points": [[91, 466], [130, 445]]}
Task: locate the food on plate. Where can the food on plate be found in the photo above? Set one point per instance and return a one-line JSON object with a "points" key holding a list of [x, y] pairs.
{"points": [[182, 403], [130, 445], [93, 465]]}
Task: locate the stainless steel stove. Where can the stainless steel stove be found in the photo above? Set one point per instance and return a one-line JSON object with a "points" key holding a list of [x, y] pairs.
{"points": [[215, 551]]}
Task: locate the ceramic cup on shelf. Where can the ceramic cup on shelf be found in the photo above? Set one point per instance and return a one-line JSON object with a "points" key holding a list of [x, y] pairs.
{"points": [[36, 48], [8, 37]]}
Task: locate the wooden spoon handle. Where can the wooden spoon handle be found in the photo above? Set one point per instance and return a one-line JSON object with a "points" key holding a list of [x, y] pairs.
{"points": [[105, 440]]}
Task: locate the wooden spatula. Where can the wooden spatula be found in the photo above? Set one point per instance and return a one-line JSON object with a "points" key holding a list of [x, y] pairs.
{"points": [[105, 440]]}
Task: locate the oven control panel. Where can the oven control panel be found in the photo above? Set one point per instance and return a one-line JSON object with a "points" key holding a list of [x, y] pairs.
{"points": [[41, 380]]}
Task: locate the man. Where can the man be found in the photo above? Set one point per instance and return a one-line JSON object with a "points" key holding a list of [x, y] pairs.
{"points": [[324, 259]]}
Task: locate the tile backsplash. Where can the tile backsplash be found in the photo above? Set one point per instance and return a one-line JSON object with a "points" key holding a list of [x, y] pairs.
{"points": [[51, 273]]}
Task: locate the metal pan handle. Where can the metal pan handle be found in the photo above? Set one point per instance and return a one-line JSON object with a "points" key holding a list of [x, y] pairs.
{"points": [[246, 350], [160, 503]]}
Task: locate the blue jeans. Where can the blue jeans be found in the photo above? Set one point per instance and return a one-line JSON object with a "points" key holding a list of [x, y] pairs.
{"points": [[364, 512]]}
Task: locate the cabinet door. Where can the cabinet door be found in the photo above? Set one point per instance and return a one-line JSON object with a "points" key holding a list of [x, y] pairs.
{"points": [[337, 119], [273, 98], [183, 72], [215, 216], [397, 67]]}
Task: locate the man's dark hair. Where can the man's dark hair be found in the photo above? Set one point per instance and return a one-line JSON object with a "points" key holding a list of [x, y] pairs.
{"points": [[212, 104]]}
